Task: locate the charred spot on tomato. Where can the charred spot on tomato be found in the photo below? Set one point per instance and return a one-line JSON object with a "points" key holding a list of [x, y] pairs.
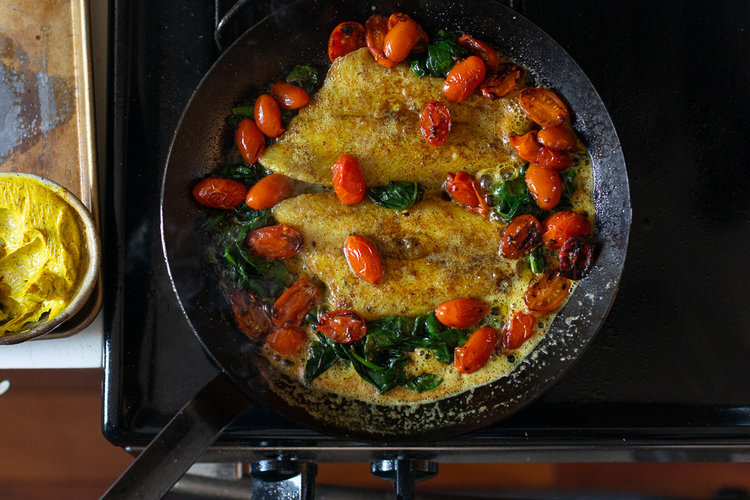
{"points": [[576, 257]]}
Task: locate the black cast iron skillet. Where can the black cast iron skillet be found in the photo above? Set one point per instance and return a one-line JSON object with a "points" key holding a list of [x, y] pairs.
{"points": [[299, 34]]}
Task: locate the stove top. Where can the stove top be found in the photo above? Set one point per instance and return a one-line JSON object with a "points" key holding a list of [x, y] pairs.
{"points": [[666, 377]]}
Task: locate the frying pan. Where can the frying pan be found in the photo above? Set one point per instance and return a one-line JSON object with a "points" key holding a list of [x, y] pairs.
{"points": [[298, 34]]}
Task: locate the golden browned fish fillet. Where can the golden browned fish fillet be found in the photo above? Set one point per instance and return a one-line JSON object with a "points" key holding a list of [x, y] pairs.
{"points": [[371, 112], [433, 252]]}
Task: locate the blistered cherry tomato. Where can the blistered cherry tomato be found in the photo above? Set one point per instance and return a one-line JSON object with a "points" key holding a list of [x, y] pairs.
{"points": [[268, 115], [217, 192], [435, 123], [348, 181], [250, 140], [289, 96], [481, 49], [544, 185], [463, 188], [502, 82], [475, 353], [249, 313], [553, 159], [286, 341], [274, 242], [557, 138], [346, 37], [399, 40], [463, 78], [548, 293], [363, 258], [521, 237], [422, 38], [376, 28], [342, 326], [561, 226], [461, 313], [268, 191], [526, 145], [543, 107], [517, 330], [576, 257], [293, 305]]}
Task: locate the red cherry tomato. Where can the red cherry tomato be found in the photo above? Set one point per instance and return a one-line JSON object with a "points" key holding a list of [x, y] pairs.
{"points": [[268, 191], [249, 313], [376, 28], [217, 192], [463, 188], [435, 123], [576, 257], [481, 49], [517, 330], [548, 293], [268, 115], [286, 341], [526, 145], [422, 38], [289, 96], [363, 258], [544, 185], [543, 107], [557, 138], [293, 305], [502, 82], [346, 37], [400, 39], [475, 353], [521, 237], [250, 140], [348, 181], [463, 78], [553, 159], [274, 242], [342, 326], [561, 226], [461, 313]]}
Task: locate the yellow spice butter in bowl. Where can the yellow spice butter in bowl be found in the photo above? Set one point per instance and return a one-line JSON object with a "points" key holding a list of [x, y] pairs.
{"points": [[49, 256]]}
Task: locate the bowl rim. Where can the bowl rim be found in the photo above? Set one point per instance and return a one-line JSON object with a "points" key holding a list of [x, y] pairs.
{"points": [[90, 277]]}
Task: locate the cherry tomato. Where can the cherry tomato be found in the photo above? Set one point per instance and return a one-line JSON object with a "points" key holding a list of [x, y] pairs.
{"points": [[289, 96], [342, 326], [557, 138], [249, 313], [250, 141], [521, 237], [543, 107], [422, 38], [376, 28], [363, 258], [548, 293], [286, 341], [481, 49], [346, 37], [217, 192], [576, 257], [435, 123], [268, 115], [293, 305], [274, 242], [544, 185], [463, 78], [503, 81], [463, 188], [517, 330], [461, 313], [553, 159], [348, 181], [561, 226], [268, 191], [475, 353], [399, 40], [526, 145]]}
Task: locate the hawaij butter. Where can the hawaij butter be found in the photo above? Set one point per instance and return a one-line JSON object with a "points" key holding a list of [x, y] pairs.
{"points": [[43, 253]]}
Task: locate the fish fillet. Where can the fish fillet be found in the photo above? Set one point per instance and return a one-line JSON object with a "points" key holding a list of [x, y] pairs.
{"points": [[371, 112], [439, 251]]}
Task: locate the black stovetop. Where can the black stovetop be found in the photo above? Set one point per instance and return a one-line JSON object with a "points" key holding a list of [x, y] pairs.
{"points": [[670, 363]]}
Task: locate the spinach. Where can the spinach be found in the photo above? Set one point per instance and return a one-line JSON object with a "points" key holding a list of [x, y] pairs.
{"points": [[441, 55], [512, 198], [243, 109], [323, 357], [424, 382], [396, 194], [305, 76], [536, 261]]}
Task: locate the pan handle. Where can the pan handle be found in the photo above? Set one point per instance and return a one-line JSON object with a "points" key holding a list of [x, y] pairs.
{"points": [[193, 429]]}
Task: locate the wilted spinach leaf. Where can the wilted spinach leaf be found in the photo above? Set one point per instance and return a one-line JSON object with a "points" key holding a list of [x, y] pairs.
{"points": [[399, 195], [305, 76], [441, 55], [424, 382]]}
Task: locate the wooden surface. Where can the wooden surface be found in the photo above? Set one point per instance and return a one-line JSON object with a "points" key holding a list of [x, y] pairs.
{"points": [[51, 447]]}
